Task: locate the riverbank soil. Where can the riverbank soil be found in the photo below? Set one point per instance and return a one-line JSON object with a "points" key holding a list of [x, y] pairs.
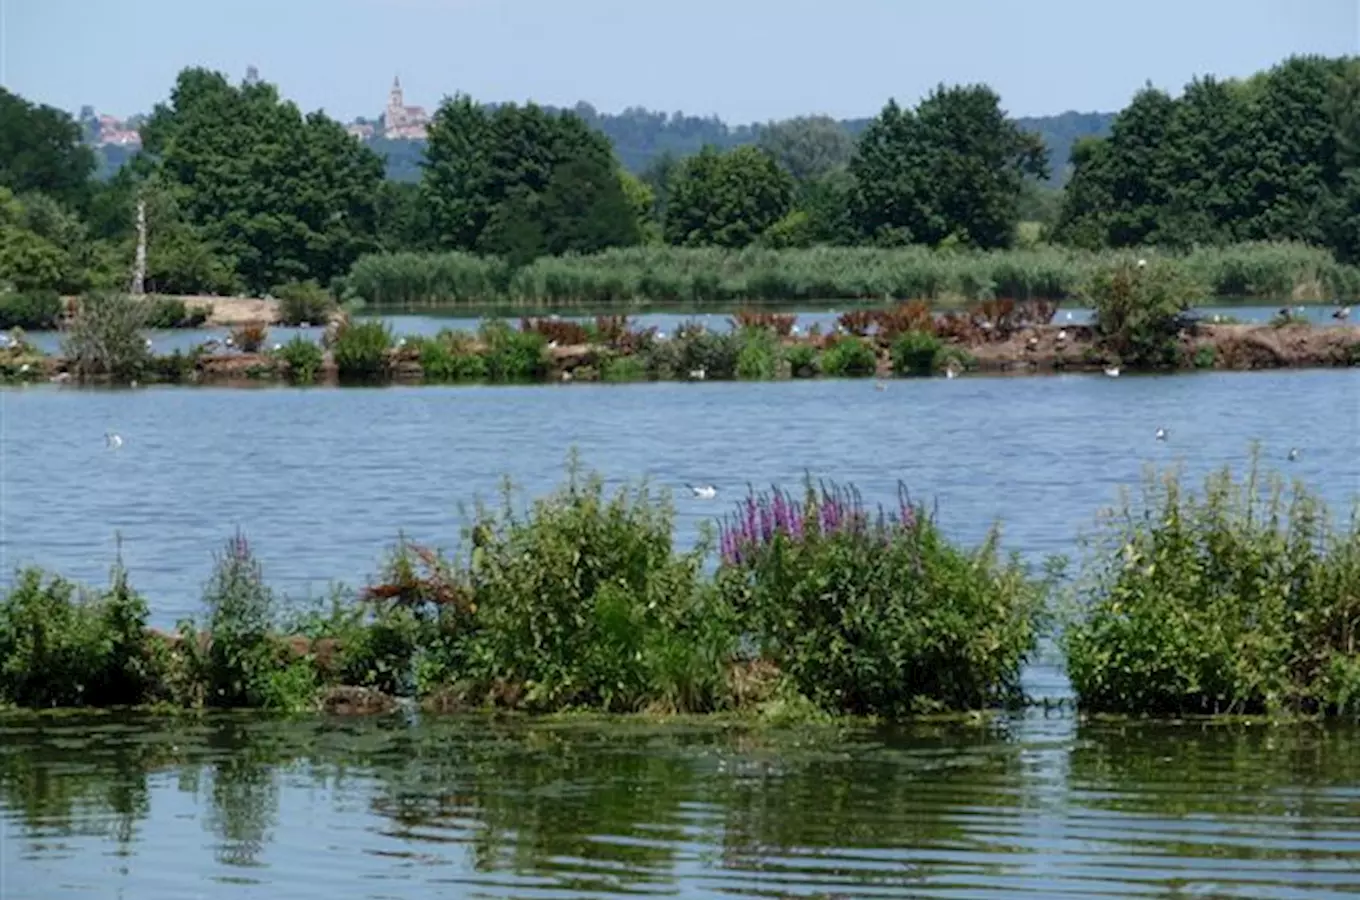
{"points": [[232, 311]]}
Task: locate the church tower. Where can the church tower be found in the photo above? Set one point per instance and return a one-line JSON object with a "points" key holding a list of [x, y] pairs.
{"points": [[396, 106]]}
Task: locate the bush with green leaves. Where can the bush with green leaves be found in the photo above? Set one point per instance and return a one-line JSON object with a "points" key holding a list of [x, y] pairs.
{"points": [[303, 359], [512, 355], [758, 359], [877, 613], [802, 359], [304, 302], [31, 310], [916, 353], [713, 353], [1140, 309], [620, 368], [583, 602], [171, 312], [361, 350], [1244, 598], [450, 357], [64, 646], [106, 340], [849, 357]]}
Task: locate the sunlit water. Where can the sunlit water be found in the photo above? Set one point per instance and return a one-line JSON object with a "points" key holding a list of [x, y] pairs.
{"points": [[324, 480], [1033, 806], [666, 322]]}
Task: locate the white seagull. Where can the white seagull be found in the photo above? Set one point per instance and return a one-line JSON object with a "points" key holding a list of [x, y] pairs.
{"points": [[1161, 434], [703, 491], [1112, 371], [1293, 453], [112, 440]]}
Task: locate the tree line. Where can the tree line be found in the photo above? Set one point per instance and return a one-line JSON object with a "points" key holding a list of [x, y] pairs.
{"points": [[245, 192]]}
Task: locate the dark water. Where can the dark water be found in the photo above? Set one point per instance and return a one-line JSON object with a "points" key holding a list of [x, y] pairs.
{"points": [[428, 325], [323, 480], [1033, 806]]}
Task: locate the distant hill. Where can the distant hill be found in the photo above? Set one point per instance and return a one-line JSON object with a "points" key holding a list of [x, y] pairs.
{"points": [[640, 136]]}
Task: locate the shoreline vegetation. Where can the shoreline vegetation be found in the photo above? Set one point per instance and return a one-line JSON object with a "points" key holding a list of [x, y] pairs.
{"points": [[1141, 321], [1239, 599]]}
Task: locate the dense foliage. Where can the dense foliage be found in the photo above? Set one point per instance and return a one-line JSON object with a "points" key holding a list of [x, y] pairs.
{"points": [[243, 192], [1245, 598]]}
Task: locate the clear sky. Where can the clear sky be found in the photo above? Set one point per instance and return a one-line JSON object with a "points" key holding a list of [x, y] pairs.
{"points": [[744, 60]]}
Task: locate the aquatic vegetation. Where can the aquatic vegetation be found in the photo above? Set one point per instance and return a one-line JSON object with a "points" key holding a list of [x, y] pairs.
{"points": [[802, 360], [105, 338], [450, 356], [1243, 598], [304, 302], [758, 359], [30, 310], [848, 357], [172, 312], [564, 332], [779, 323], [361, 350], [512, 356], [623, 368], [916, 353], [714, 354], [303, 359], [876, 612]]}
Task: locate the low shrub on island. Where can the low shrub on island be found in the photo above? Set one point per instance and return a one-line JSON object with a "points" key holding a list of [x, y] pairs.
{"points": [[1243, 599]]}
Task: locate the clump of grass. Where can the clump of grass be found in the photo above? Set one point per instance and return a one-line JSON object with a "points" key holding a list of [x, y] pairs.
{"points": [[716, 355], [916, 353], [623, 368], [106, 340], [512, 356], [451, 356], [563, 331], [361, 350], [173, 368], [303, 359], [62, 646], [848, 357], [1244, 598], [759, 356], [876, 613], [30, 310], [172, 312], [802, 360], [304, 302]]}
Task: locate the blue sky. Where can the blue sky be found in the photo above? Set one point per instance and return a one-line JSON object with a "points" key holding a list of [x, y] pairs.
{"points": [[745, 60]]}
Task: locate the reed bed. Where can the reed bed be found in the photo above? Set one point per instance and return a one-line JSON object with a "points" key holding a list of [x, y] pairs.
{"points": [[672, 275]]}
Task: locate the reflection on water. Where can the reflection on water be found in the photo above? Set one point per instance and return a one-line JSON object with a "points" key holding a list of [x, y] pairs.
{"points": [[1039, 806]]}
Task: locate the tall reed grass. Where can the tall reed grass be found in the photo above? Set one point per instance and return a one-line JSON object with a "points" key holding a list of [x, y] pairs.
{"points": [[671, 275]]}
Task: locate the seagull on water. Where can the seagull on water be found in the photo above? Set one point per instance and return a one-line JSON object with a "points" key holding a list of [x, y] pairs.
{"points": [[1293, 453], [703, 491], [112, 440], [880, 386], [1342, 313], [951, 372], [1112, 371], [1161, 434]]}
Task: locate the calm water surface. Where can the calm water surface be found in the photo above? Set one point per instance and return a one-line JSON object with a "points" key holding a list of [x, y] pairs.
{"points": [[403, 808], [324, 480]]}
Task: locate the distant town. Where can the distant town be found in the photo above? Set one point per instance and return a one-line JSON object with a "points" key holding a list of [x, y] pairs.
{"points": [[398, 122]]}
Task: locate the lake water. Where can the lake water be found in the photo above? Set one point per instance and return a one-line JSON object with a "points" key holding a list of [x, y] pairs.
{"points": [[324, 480], [1035, 806], [667, 322]]}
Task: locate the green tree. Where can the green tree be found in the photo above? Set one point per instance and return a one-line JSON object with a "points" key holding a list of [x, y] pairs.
{"points": [[520, 181], [41, 151], [726, 199], [954, 168], [287, 196], [808, 147]]}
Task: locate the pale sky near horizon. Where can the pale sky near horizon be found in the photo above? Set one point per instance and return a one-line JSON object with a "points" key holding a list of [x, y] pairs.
{"points": [[744, 60]]}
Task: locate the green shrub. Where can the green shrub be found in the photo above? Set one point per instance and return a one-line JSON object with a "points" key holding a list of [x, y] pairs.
{"points": [[802, 360], [623, 368], [303, 358], [877, 614], [173, 368], [849, 357], [164, 313], [304, 302], [583, 602], [31, 311], [1243, 599], [450, 356], [758, 359], [1140, 311], [1205, 356], [61, 646], [105, 339], [511, 355], [916, 353], [713, 353], [361, 350]]}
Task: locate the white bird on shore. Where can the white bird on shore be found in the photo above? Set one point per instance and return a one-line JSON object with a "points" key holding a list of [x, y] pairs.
{"points": [[1142, 263], [1293, 453], [1069, 315], [1112, 371], [112, 440], [698, 374], [1342, 313], [1062, 334], [1161, 434], [951, 372], [703, 491]]}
